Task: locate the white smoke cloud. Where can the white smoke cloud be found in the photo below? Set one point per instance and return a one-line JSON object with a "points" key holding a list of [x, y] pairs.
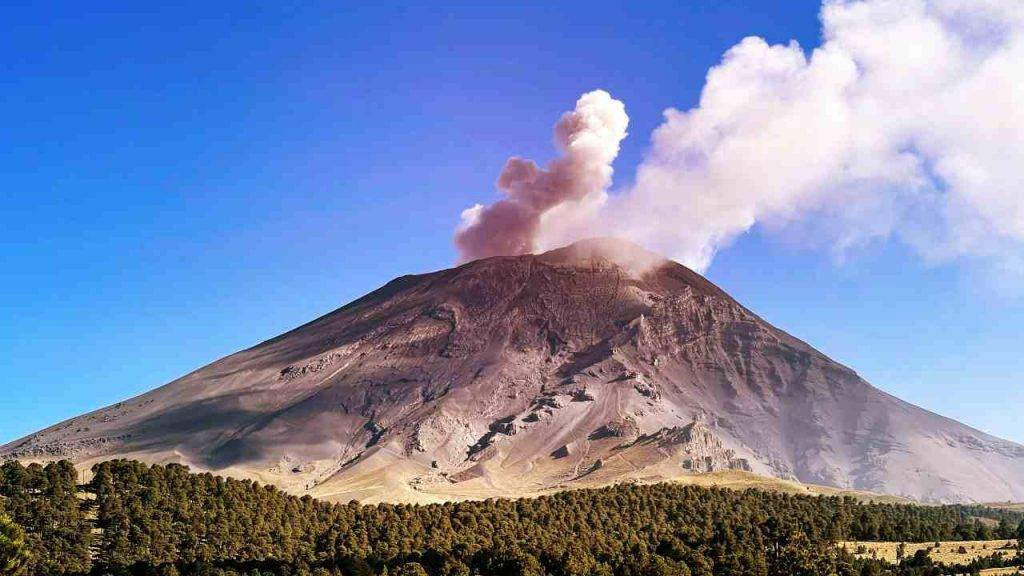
{"points": [[907, 122]]}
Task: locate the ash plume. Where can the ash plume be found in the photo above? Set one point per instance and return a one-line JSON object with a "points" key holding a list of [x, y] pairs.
{"points": [[588, 139], [906, 123]]}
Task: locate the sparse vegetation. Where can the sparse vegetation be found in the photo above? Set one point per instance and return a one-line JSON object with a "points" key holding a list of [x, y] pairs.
{"points": [[163, 520], [951, 552]]}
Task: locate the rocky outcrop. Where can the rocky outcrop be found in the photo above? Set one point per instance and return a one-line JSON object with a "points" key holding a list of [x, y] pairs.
{"points": [[72, 448], [625, 428], [702, 450]]}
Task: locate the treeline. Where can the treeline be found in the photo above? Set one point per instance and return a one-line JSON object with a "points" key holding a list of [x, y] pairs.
{"points": [[163, 520], [44, 502]]}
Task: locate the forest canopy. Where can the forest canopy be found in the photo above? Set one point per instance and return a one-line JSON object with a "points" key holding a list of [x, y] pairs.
{"points": [[133, 518]]}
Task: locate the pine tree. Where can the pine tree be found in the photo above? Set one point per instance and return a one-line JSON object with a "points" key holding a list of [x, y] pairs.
{"points": [[411, 569], [14, 555]]}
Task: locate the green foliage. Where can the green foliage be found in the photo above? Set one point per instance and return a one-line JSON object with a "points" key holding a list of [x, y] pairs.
{"points": [[44, 502], [411, 569], [509, 561], [166, 521], [14, 553], [661, 566]]}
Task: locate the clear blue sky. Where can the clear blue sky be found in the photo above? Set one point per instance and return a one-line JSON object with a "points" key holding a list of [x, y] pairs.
{"points": [[180, 183]]}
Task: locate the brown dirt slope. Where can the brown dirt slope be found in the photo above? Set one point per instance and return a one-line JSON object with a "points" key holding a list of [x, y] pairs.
{"points": [[594, 363]]}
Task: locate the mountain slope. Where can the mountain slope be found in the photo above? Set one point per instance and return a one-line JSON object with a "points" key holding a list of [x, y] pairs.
{"points": [[512, 375]]}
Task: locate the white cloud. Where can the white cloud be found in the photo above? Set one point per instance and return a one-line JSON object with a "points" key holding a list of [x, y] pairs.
{"points": [[907, 121]]}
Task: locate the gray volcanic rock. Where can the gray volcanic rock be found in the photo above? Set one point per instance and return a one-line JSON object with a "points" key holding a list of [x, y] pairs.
{"points": [[512, 375]]}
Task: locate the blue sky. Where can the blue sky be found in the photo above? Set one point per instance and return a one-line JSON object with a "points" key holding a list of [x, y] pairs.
{"points": [[181, 183]]}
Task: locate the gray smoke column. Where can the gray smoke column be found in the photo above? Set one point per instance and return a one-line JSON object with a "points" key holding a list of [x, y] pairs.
{"points": [[588, 140]]}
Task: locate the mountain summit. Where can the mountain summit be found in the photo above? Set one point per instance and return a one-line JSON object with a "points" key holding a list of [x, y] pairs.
{"points": [[596, 362]]}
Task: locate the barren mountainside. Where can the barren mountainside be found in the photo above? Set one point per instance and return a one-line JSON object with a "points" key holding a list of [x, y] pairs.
{"points": [[593, 363]]}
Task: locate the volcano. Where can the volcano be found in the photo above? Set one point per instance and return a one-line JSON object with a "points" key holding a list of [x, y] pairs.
{"points": [[594, 363]]}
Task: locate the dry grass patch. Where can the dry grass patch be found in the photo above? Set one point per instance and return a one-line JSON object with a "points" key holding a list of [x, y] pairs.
{"points": [[1002, 571], [946, 553], [1012, 506], [1011, 571]]}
